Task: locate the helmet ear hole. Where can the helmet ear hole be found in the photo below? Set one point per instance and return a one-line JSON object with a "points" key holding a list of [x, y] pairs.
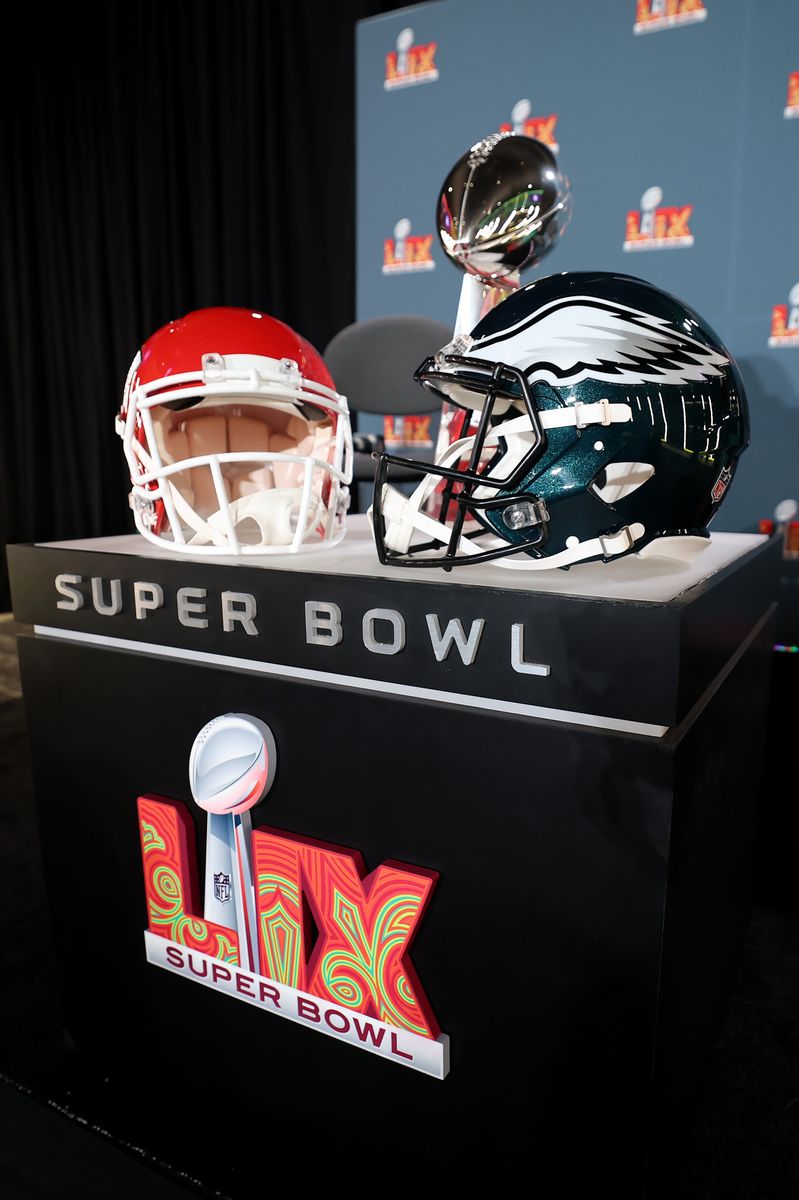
{"points": [[619, 479]]}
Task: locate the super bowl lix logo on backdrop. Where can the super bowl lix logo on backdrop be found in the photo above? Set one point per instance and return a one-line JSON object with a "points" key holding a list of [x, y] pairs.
{"points": [[290, 925], [413, 429], [785, 321], [410, 64], [405, 252], [541, 128], [656, 228], [654, 15], [792, 102]]}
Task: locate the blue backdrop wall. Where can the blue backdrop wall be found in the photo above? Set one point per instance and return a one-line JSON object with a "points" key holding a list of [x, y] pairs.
{"points": [[677, 122]]}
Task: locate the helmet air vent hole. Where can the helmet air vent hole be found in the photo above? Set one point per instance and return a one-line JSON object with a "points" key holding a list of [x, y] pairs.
{"points": [[248, 531], [620, 479]]}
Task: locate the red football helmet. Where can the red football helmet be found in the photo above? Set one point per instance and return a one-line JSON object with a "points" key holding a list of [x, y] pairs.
{"points": [[236, 438]]}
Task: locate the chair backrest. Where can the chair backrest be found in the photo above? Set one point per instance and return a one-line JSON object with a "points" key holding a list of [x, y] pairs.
{"points": [[372, 362]]}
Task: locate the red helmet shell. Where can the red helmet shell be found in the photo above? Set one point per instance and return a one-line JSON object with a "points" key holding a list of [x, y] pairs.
{"points": [[179, 346]]}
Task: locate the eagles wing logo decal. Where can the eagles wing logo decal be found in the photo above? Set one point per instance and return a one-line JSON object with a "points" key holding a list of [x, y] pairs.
{"points": [[581, 338]]}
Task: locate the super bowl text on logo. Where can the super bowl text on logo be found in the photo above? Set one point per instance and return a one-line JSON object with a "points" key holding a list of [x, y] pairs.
{"points": [[656, 228], [785, 321], [344, 970], [654, 15], [405, 252], [409, 430], [541, 128], [792, 103], [409, 64]]}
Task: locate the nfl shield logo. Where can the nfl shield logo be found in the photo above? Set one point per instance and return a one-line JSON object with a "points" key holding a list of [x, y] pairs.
{"points": [[222, 888], [721, 484]]}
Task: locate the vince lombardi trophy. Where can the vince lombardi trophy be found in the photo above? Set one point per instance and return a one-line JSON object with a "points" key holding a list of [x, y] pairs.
{"points": [[231, 768]]}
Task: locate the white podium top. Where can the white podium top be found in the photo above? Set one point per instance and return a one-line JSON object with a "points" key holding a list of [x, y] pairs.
{"points": [[653, 580]]}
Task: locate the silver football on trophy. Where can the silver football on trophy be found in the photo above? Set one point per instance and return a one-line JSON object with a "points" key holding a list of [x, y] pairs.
{"points": [[503, 206], [232, 763]]}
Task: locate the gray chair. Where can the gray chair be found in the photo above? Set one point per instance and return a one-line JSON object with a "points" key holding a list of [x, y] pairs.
{"points": [[372, 363]]}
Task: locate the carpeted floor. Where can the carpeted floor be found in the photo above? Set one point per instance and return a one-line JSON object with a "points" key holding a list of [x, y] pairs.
{"points": [[744, 1142]]}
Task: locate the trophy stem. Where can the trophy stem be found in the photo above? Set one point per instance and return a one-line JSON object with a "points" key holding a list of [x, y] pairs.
{"points": [[245, 891], [229, 887], [479, 296], [469, 305]]}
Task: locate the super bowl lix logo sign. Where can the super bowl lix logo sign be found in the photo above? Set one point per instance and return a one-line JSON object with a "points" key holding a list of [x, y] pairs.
{"points": [[656, 228], [409, 64], [290, 925], [654, 15], [404, 252], [785, 321]]}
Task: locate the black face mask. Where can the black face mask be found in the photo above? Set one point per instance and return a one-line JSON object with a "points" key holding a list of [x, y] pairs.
{"points": [[495, 383]]}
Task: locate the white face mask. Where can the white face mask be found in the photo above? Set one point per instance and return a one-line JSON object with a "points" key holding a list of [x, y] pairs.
{"points": [[243, 469]]}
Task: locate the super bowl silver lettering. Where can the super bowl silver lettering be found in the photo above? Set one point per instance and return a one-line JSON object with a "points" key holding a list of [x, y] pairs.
{"points": [[237, 610], [381, 631]]}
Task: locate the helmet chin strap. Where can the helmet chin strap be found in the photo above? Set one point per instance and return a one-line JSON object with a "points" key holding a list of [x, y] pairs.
{"points": [[275, 512], [402, 517], [609, 546], [401, 520], [402, 514]]}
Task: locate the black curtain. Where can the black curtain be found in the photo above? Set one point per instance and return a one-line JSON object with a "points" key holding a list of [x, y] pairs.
{"points": [[157, 157]]}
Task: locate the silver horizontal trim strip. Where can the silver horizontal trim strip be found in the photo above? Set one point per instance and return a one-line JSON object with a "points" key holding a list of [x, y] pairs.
{"points": [[372, 685]]}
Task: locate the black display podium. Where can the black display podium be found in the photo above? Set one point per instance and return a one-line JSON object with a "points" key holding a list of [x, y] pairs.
{"points": [[566, 766]]}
